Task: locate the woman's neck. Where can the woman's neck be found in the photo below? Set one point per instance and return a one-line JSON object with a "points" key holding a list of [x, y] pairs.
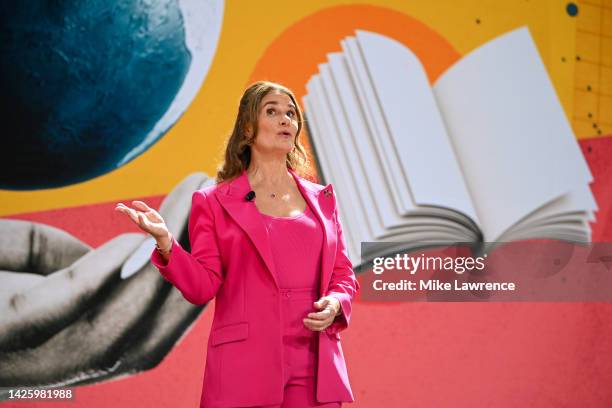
{"points": [[268, 173]]}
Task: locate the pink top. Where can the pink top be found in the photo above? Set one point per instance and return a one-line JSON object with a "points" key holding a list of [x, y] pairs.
{"points": [[296, 248]]}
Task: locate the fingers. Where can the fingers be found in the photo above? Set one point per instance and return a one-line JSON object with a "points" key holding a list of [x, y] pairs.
{"points": [[318, 325], [318, 321], [143, 222], [322, 315], [138, 217], [13, 283], [141, 205], [37, 313], [128, 211], [321, 303], [95, 340], [328, 302], [174, 210], [31, 247]]}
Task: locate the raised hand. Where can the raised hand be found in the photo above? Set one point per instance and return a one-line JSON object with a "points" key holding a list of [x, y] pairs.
{"points": [[146, 218]]}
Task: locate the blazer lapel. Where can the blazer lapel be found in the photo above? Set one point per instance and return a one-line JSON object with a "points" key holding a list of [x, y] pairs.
{"points": [[321, 201], [247, 216]]}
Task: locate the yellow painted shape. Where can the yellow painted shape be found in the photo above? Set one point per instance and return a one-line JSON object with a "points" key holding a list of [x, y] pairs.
{"points": [[588, 47], [607, 25], [587, 76], [584, 126], [606, 81], [606, 51], [586, 106], [589, 17], [605, 119]]}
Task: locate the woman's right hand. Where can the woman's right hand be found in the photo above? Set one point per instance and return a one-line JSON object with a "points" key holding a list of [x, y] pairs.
{"points": [[148, 220]]}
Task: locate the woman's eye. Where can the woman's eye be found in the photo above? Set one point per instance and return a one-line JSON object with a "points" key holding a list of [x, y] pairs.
{"points": [[270, 111], [291, 114]]}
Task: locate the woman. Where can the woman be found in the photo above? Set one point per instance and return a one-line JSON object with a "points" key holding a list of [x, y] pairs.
{"points": [[268, 245]]}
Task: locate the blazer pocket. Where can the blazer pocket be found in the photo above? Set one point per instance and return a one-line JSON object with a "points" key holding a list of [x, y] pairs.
{"points": [[227, 334]]}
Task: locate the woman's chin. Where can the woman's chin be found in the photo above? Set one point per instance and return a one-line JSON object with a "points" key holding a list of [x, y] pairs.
{"points": [[285, 148], [280, 150]]}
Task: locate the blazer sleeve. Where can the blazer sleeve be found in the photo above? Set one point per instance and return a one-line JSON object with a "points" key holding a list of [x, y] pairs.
{"points": [[198, 275], [343, 284]]}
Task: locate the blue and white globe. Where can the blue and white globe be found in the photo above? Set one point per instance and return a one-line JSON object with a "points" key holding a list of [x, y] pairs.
{"points": [[88, 86]]}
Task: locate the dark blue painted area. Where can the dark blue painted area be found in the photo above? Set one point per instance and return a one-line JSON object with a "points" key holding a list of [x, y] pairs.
{"points": [[83, 82], [572, 9]]}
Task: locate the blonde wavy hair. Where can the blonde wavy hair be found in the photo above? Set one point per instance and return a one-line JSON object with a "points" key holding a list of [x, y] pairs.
{"points": [[238, 147]]}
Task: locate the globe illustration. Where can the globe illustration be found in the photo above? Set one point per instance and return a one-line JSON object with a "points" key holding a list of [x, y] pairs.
{"points": [[88, 86]]}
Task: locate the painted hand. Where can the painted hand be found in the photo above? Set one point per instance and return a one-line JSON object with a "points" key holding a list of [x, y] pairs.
{"points": [[66, 314]]}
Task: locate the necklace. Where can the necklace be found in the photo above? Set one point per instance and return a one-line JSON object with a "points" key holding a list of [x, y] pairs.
{"points": [[283, 196]]}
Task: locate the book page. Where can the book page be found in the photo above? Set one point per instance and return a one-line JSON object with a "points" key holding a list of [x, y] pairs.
{"points": [[373, 118], [336, 166], [354, 134], [414, 124], [344, 148], [513, 141], [347, 211]]}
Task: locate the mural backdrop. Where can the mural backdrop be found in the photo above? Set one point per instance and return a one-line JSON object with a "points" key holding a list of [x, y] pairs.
{"points": [[109, 101]]}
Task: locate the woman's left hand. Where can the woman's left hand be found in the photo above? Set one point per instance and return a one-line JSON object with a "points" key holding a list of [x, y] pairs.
{"points": [[329, 308]]}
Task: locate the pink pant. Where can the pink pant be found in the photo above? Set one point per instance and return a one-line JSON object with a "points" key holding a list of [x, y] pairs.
{"points": [[299, 351]]}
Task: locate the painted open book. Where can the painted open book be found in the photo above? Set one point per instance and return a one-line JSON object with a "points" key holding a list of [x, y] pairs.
{"points": [[485, 154]]}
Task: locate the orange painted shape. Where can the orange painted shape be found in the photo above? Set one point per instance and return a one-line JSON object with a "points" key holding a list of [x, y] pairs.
{"points": [[293, 57]]}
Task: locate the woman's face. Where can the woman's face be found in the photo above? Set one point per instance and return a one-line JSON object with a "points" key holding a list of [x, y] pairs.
{"points": [[277, 124]]}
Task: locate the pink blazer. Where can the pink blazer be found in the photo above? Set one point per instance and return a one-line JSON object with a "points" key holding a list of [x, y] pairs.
{"points": [[231, 259]]}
